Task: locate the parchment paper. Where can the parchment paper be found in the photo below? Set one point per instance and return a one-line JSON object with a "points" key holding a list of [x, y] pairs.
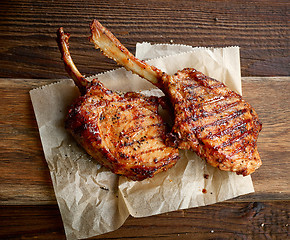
{"points": [[91, 199]]}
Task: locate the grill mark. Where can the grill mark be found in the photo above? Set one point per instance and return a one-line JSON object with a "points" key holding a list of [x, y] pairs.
{"points": [[189, 84], [231, 104], [194, 90], [215, 99], [204, 81], [239, 125], [237, 150], [235, 139], [230, 142], [243, 146], [221, 98], [219, 109], [216, 85], [216, 122], [227, 118], [187, 75]]}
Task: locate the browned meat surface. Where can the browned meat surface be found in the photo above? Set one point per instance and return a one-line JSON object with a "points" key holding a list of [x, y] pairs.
{"points": [[213, 121], [121, 131], [210, 119]]}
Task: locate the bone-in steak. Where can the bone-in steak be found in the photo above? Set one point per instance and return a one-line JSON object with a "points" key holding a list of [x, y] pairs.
{"points": [[121, 131]]}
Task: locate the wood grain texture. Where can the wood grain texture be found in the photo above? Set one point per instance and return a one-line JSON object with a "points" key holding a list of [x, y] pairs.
{"points": [[249, 220], [270, 98], [25, 178], [27, 32], [23, 167]]}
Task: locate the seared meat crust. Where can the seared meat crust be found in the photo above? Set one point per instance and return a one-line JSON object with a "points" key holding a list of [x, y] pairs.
{"points": [[213, 121], [123, 132]]}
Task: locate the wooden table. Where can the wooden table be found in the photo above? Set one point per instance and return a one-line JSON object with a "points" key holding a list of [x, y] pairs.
{"points": [[29, 58]]}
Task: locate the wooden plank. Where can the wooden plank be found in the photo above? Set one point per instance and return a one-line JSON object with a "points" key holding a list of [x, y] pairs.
{"points": [[25, 178], [31, 222], [270, 98], [28, 47], [24, 173], [249, 220]]}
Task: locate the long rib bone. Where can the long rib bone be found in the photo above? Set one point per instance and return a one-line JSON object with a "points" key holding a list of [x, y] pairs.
{"points": [[104, 40], [62, 40]]}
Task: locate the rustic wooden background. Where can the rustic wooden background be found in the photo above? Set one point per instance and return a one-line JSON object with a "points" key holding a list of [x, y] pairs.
{"points": [[29, 58], [28, 49]]}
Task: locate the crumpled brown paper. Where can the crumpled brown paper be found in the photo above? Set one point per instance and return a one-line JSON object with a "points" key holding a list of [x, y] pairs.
{"points": [[91, 199]]}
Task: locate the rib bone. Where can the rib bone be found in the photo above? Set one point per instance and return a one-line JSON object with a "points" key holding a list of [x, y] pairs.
{"points": [[62, 40]]}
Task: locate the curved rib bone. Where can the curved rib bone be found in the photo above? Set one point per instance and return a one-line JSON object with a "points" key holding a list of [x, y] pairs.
{"points": [[62, 40]]}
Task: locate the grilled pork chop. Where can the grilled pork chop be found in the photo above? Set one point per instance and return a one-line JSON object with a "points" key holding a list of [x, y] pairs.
{"points": [[210, 119], [121, 131]]}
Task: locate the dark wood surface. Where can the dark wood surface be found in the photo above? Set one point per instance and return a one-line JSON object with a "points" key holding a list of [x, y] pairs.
{"points": [[28, 48], [242, 220], [29, 58]]}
